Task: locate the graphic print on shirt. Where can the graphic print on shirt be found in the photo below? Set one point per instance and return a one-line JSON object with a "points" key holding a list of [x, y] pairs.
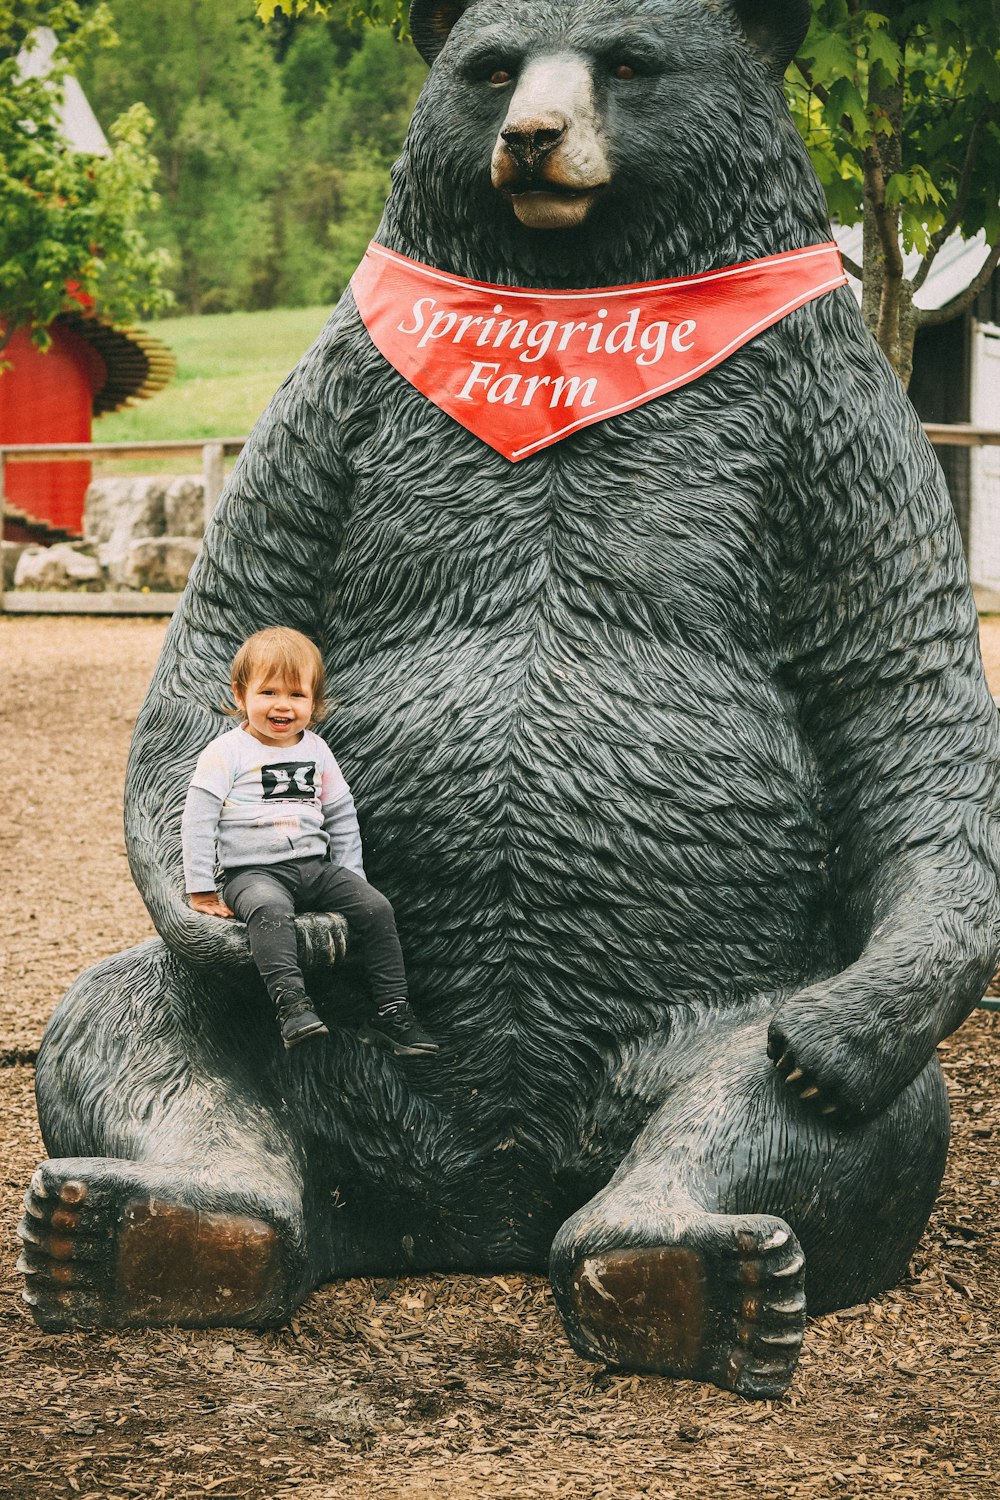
{"points": [[291, 780]]}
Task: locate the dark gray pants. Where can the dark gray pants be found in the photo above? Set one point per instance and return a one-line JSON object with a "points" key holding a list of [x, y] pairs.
{"points": [[266, 898]]}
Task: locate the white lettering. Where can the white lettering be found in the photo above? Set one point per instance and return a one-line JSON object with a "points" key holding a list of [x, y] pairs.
{"points": [[648, 344], [463, 328], [568, 331], [488, 323], [598, 332], [439, 325], [417, 315], [504, 389], [477, 377], [532, 383], [628, 330], [539, 338], [520, 329], [654, 342], [684, 330], [572, 386]]}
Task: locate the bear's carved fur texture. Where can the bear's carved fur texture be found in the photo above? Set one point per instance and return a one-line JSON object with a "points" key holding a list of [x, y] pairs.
{"points": [[672, 749]]}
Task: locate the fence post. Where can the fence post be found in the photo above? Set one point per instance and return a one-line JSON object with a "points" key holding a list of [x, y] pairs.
{"points": [[213, 464]]}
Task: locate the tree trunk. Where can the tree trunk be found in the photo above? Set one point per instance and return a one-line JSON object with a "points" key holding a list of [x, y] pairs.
{"points": [[887, 299]]}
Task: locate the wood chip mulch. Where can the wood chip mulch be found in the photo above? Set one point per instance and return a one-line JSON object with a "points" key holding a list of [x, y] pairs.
{"points": [[444, 1386]]}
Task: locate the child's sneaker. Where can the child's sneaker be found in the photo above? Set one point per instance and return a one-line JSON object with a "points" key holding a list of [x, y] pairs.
{"points": [[298, 1020], [395, 1028]]}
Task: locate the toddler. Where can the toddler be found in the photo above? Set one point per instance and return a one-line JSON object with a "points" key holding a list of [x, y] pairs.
{"points": [[270, 800]]}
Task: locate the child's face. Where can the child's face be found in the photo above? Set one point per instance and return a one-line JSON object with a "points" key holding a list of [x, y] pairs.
{"points": [[276, 711]]}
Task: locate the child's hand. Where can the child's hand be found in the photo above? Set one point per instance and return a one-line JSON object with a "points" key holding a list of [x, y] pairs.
{"points": [[209, 902]]}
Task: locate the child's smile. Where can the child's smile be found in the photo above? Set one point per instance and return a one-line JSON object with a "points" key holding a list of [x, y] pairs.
{"points": [[276, 711]]}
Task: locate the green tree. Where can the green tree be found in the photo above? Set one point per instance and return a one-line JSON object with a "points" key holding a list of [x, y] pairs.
{"points": [[274, 144], [899, 103], [65, 216], [346, 144], [206, 73]]}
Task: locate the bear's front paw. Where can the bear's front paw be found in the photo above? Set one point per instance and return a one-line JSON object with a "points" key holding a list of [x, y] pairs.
{"points": [[838, 1067], [321, 938]]}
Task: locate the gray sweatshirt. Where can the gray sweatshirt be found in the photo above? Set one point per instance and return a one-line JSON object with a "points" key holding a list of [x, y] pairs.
{"points": [[255, 804]]}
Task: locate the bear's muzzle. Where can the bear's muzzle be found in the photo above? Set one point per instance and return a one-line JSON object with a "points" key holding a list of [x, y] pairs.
{"points": [[550, 155]]}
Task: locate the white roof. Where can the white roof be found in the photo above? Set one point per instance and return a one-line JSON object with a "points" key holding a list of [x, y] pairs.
{"points": [[77, 120], [958, 263]]}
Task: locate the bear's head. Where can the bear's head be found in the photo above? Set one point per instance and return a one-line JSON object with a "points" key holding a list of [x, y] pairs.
{"points": [[603, 139]]}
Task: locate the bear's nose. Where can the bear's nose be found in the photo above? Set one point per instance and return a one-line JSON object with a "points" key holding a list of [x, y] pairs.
{"points": [[530, 141]]}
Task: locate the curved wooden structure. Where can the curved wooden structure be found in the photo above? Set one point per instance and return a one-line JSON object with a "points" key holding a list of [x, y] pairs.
{"points": [[91, 367]]}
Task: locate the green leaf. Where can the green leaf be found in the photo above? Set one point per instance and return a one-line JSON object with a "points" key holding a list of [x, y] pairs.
{"points": [[845, 102], [982, 74], [831, 57], [266, 8], [885, 54], [59, 205]]}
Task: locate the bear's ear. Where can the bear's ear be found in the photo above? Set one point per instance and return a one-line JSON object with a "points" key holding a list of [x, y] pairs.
{"points": [[774, 28], [431, 22]]}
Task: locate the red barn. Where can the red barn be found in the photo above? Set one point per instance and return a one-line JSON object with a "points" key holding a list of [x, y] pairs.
{"points": [[91, 367]]}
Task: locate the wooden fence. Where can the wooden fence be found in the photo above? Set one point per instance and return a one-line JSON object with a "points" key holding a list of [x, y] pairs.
{"points": [[214, 453]]}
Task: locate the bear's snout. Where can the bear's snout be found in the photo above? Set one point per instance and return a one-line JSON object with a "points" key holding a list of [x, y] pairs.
{"points": [[528, 141], [550, 156]]}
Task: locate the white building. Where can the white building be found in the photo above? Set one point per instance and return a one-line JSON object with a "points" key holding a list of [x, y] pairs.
{"points": [[956, 378]]}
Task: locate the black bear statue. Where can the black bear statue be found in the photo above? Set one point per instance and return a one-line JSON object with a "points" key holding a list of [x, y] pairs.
{"points": [[672, 750]]}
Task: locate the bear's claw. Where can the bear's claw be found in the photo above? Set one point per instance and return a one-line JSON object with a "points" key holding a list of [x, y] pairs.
{"points": [[64, 1254], [798, 1079]]}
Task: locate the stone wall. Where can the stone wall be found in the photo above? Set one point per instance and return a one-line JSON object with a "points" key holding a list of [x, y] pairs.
{"points": [[140, 533]]}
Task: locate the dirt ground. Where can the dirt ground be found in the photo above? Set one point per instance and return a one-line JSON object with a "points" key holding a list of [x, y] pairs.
{"points": [[440, 1385]]}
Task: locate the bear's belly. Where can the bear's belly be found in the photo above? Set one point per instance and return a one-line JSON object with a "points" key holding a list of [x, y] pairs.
{"points": [[574, 849], [580, 782], [579, 778], [619, 826], [577, 852]]}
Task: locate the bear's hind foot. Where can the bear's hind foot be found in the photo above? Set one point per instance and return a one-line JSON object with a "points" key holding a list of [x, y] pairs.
{"points": [[111, 1243], [723, 1302]]}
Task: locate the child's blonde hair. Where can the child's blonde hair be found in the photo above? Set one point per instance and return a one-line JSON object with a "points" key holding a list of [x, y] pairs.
{"points": [[280, 653]]}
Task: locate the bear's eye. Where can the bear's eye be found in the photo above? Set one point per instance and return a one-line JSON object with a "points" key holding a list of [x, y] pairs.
{"points": [[624, 71], [499, 77]]}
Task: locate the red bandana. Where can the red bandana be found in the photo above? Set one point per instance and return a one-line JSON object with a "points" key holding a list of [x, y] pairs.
{"points": [[522, 369]]}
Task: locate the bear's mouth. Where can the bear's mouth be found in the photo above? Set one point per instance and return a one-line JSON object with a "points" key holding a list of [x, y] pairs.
{"points": [[519, 187], [540, 203]]}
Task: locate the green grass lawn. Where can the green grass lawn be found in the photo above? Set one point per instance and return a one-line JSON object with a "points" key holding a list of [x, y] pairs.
{"points": [[228, 367]]}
